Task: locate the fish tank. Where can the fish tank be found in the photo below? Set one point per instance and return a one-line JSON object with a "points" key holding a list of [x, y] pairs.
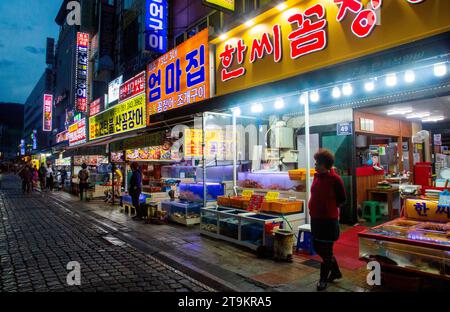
{"points": [[193, 192], [278, 181], [182, 212]]}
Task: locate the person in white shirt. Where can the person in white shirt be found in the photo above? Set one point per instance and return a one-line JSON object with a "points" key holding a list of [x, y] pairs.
{"points": [[49, 177]]}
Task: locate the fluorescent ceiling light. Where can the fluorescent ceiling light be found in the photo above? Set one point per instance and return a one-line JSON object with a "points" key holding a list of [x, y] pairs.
{"points": [[403, 111], [314, 96], [433, 119], [418, 115], [369, 86], [410, 76], [336, 93], [257, 108], [391, 80], [281, 6], [347, 89], [279, 103], [440, 69]]}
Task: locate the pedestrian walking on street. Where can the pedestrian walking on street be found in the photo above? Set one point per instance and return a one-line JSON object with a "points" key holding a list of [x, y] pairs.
{"points": [[83, 177], [34, 178], [26, 175], [135, 190], [42, 176], [63, 177], [49, 177], [327, 195]]}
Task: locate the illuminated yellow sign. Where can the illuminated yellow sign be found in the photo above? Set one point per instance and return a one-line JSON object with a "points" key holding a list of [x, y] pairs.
{"points": [[126, 116], [302, 36], [218, 145], [221, 4], [427, 210]]}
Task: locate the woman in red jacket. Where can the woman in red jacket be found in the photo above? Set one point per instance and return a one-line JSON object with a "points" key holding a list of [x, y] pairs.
{"points": [[327, 195]]}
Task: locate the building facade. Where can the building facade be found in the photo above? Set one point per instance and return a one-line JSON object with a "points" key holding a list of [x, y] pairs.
{"points": [[11, 129]]}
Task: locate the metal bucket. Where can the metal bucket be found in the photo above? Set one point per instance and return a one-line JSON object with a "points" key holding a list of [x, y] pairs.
{"points": [[283, 245]]}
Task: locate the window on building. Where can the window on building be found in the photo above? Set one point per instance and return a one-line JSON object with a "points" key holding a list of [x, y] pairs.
{"points": [[263, 3]]}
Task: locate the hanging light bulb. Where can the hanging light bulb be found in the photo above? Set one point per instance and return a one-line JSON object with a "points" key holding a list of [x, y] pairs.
{"points": [[336, 92], [279, 103], [347, 89]]}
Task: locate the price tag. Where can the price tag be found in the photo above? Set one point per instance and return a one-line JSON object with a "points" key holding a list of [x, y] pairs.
{"points": [[247, 193], [148, 200], [272, 195]]}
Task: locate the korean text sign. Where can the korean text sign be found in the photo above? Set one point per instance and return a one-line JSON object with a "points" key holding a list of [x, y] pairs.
{"points": [[132, 87], [427, 210], [77, 132], [126, 116], [156, 25], [81, 72], [312, 34], [113, 89], [47, 112], [96, 106], [179, 77]]}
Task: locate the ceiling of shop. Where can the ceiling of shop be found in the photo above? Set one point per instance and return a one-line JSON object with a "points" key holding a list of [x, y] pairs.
{"points": [[439, 106]]}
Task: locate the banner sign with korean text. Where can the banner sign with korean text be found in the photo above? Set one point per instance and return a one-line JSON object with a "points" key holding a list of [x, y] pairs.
{"points": [[180, 77], [124, 117], [81, 72], [77, 133], [427, 210], [62, 136], [219, 144], [97, 106], [47, 113], [156, 25], [312, 34], [132, 87]]}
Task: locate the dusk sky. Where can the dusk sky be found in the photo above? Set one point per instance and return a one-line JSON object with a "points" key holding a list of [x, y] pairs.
{"points": [[24, 27]]}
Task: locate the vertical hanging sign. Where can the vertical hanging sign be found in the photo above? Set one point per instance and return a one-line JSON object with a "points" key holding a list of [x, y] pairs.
{"points": [[156, 26], [81, 72], [47, 112]]}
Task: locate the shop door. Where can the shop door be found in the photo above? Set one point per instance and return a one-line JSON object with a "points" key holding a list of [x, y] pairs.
{"points": [[341, 146]]}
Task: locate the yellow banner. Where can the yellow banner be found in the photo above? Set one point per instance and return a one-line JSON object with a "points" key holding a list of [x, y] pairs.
{"points": [[221, 4], [427, 210], [126, 116], [301, 36]]}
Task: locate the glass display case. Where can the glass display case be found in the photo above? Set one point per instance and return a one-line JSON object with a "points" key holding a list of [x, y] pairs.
{"points": [[239, 226], [277, 181], [193, 192], [412, 245], [182, 212]]}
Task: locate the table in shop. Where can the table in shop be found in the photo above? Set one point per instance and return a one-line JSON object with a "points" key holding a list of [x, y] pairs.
{"points": [[390, 192]]}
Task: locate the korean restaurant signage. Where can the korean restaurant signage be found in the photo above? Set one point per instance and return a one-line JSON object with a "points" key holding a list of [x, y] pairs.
{"points": [[97, 106], [117, 157], [113, 89], [132, 87], [427, 210], [224, 5], [126, 116], [90, 160], [311, 34], [47, 112], [156, 25], [180, 77], [81, 72], [219, 144], [77, 132], [63, 161], [62, 136], [149, 153], [22, 147]]}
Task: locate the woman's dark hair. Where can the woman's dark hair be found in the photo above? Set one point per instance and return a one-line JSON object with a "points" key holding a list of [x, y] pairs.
{"points": [[84, 166], [324, 157]]}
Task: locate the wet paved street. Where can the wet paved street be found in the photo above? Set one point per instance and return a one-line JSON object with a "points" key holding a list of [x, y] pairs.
{"points": [[38, 239]]}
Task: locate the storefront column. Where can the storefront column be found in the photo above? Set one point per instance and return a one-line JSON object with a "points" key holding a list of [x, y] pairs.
{"points": [[234, 154], [307, 151], [205, 191]]}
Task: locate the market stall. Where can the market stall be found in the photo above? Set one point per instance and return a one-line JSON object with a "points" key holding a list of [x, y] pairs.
{"points": [[417, 244], [99, 174]]}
